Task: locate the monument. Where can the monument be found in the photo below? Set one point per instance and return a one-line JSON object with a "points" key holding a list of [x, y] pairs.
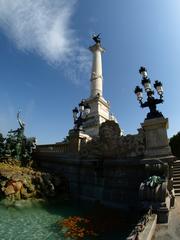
{"points": [[102, 164], [100, 108]]}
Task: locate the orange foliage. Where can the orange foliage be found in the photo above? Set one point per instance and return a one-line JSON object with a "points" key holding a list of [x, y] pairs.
{"points": [[77, 227]]}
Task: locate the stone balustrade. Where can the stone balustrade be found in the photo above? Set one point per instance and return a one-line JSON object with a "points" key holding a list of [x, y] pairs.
{"points": [[58, 148]]}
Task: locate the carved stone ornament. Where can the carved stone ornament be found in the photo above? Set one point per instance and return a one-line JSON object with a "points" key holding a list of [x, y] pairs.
{"points": [[111, 145]]}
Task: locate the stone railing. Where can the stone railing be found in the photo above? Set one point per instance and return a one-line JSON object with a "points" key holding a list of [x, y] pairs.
{"points": [[59, 148]]}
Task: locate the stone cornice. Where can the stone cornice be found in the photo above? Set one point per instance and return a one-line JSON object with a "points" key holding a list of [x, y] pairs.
{"points": [[96, 47], [98, 99]]}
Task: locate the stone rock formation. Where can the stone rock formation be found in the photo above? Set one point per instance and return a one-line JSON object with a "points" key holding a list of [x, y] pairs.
{"points": [[23, 183]]}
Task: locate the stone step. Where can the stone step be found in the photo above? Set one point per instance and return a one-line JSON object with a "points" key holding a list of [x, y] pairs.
{"points": [[174, 184], [176, 174], [176, 167], [176, 164], [177, 190], [176, 178], [176, 181]]}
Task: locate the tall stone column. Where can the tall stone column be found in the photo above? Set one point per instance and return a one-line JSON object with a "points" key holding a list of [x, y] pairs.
{"points": [[100, 108], [96, 75]]}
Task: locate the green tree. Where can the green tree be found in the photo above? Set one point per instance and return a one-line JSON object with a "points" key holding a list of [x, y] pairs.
{"points": [[175, 144], [2, 145]]}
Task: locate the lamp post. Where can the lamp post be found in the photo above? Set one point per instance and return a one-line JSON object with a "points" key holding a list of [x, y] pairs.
{"points": [[80, 115], [151, 100]]}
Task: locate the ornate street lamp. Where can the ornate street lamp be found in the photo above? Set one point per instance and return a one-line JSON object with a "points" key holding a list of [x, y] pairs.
{"points": [[151, 101], [159, 88], [145, 80], [80, 115]]}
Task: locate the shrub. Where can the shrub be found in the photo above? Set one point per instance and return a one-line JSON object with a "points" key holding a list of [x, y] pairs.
{"points": [[175, 144]]}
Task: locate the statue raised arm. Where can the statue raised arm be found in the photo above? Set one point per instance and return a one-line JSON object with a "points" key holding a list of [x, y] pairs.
{"points": [[21, 123], [20, 130]]}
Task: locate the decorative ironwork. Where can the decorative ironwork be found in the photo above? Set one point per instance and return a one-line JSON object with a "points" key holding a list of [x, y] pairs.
{"points": [[151, 100], [83, 111]]}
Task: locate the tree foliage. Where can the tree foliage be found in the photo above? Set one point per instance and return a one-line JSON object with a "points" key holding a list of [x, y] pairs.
{"points": [[175, 144]]}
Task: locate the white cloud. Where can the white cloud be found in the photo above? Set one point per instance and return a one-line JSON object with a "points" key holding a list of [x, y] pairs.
{"points": [[44, 27]]}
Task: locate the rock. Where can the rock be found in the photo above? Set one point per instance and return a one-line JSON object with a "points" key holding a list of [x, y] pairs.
{"points": [[17, 186], [24, 183], [9, 190]]}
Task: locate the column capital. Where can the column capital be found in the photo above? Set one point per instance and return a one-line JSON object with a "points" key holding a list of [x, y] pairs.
{"points": [[97, 47]]}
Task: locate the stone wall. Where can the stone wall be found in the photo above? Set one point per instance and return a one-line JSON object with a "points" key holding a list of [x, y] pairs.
{"points": [[110, 168], [112, 182], [106, 168]]}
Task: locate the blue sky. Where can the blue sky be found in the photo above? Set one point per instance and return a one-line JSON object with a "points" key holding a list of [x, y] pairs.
{"points": [[45, 65]]}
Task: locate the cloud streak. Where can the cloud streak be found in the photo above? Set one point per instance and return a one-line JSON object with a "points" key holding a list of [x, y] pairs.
{"points": [[44, 27]]}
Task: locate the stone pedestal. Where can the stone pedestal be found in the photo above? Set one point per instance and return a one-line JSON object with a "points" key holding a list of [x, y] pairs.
{"points": [[157, 149], [99, 114], [163, 214], [157, 143], [76, 138]]}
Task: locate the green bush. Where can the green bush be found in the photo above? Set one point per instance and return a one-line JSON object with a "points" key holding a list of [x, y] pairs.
{"points": [[175, 144]]}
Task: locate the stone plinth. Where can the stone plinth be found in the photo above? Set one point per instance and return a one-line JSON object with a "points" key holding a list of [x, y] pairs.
{"points": [[76, 138], [99, 114], [157, 143]]}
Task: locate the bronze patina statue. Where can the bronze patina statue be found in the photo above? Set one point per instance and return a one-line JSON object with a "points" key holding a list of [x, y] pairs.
{"points": [[96, 38], [16, 145], [20, 130]]}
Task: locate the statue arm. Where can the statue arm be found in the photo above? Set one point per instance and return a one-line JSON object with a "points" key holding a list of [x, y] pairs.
{"points": [[13, 131], [143, 105], [19, 120], [157, 101]]}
